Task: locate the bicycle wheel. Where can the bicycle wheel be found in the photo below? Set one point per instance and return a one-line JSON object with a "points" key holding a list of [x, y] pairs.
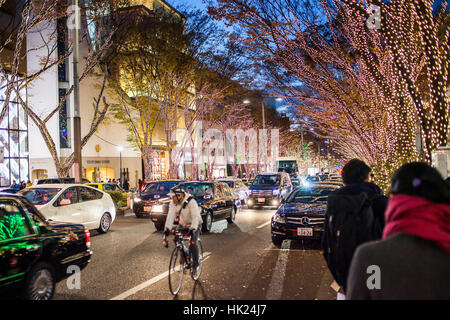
{"points": [[196, 276], [176, 271]]}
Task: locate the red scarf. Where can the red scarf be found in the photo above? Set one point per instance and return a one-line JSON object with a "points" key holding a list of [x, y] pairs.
{"points": [[419, 217]]}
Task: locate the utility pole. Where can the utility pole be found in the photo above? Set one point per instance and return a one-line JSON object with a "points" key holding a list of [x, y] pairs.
{"points": [[76, 95]]}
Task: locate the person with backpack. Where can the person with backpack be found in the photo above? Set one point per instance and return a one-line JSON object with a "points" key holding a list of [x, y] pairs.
{"points": [[355, 215], [413, 259]]}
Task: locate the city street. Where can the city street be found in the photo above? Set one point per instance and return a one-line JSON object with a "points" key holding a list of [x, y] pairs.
{"points": [[130, 263]]}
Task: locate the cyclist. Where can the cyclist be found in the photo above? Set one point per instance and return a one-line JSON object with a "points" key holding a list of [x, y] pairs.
{"points": [[190, 218]]}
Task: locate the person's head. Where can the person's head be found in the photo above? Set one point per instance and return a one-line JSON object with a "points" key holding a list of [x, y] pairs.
{"points": [[421, 180], [177, 195], [355, 171]]}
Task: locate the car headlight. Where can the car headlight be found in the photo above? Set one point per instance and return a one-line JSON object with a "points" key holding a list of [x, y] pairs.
{"points": [[279, 219], [136, 200], [158, 208], [276, 192]]}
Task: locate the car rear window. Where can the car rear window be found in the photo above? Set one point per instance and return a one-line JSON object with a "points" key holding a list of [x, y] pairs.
{"points": [[13, 221]]}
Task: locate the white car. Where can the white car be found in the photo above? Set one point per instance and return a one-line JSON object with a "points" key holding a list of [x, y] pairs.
{"points": [[73, 203]]}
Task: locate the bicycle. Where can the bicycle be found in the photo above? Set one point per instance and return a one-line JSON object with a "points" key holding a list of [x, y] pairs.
{"points": [[180, 260]]}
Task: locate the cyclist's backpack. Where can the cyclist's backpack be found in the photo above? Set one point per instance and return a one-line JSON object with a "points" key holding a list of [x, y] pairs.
{"points": [[177, 216], [351, 222]]}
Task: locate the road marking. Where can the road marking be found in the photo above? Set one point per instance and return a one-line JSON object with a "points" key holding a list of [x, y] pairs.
{"points": [[276, 285], [264, 224], [147, 283]]}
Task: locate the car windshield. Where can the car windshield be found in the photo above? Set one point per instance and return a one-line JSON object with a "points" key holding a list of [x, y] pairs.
{"points": [[40, 196], [266, 180], [160, 187], [315, 195], [198, 189]]}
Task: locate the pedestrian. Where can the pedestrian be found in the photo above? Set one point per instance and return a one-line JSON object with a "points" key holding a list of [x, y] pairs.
{"points": [[28, 184], [355, 215], [15, 186], [413, 259], [447, 181], [126, 185]]}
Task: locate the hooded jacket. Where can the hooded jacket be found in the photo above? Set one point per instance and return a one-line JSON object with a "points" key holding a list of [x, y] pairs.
{"points": [[413, 260]]}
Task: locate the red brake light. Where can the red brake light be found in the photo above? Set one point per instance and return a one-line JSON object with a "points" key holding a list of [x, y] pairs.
{"points": [[88, 237]]}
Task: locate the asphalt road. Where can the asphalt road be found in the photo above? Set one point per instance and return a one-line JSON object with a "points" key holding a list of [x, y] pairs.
{"points": [[130, 262]]}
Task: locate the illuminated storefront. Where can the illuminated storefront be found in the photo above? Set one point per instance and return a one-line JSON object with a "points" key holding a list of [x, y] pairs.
{"points": [[14, 156]]}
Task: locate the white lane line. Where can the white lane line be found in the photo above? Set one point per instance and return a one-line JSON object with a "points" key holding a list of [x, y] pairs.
{"points": [[276, 285], [264, 224], [147, 283]]}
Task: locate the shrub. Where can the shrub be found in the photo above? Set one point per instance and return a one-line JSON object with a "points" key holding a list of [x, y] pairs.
{"points": [[116, 197]]}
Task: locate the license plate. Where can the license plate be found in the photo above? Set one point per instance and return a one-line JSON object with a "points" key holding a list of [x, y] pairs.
{"points": [[261, 200], [305, 232], [148, 209]]}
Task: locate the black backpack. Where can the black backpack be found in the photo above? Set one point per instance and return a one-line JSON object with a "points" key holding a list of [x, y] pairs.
{"points": [[350, 223]]}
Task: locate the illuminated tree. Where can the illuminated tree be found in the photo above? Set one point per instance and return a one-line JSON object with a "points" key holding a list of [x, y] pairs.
{"points": [[361, 88]]}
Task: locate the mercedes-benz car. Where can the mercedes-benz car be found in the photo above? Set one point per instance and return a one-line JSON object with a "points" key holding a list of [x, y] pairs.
{"points": [[302, 215]]}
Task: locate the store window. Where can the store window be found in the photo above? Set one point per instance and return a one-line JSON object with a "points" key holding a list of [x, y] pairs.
{"points": [[14, 159]]}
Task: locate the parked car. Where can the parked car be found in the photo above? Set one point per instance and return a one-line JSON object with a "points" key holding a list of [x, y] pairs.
{"points": [[302, 215], [73, 203], [268, 189], [34, 252], [238, 188], [108, 186], [216, 200], [58, 181], [158, 190]]}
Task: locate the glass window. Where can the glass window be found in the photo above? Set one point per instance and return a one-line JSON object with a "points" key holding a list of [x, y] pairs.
{"points": [[70, 194], [39, 196], [13, 221], [198, 189], [87, 194], [107, 187], [218, 192], [266, 180], [227, 190], [306, 195]]}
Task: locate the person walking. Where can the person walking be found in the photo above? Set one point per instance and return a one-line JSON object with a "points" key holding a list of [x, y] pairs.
{"points": [[126, 185], [413, 259], [355, 215]]}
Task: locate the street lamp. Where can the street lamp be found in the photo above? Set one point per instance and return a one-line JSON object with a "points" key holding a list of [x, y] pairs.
{"points": [[120, 149]]}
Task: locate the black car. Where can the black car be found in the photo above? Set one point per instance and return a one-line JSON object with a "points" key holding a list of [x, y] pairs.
{"points": [[268, 189], [35, 253], [302, 215], [153, 192], [216, 200]]}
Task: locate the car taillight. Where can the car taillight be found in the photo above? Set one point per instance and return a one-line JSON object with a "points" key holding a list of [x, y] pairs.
{"points": [[88, 238]]}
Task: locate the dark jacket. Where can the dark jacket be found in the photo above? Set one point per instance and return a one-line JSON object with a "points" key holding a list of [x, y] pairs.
{"points": [[339, 201], [410, 268]]}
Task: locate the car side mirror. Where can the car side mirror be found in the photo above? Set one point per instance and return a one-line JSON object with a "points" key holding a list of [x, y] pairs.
{"points": [[64, 202]]}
